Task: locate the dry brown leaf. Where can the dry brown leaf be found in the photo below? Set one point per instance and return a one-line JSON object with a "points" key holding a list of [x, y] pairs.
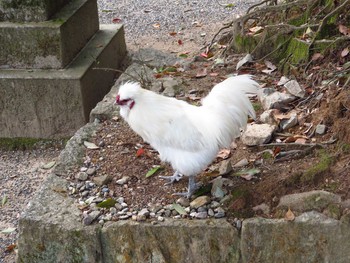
{"points": [[156, 25], [345, 52], [344, 30], [202, 73], [224, 153], [289, 216], [256, 29], [300, 140], [317, 56]]}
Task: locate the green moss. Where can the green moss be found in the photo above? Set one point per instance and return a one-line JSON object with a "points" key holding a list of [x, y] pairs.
{"points": [[245, 43], [298, 51], [29, 143], [293, 180], [267, 156], [311, 174], [333, 211], [257, 106]]}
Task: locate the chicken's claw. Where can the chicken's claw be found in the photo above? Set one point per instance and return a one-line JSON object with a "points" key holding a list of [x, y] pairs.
{"points": [[192, 187], [172, 179]]}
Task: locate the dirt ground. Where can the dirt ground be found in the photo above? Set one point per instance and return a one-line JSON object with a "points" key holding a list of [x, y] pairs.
{"points": [[322, 161]]}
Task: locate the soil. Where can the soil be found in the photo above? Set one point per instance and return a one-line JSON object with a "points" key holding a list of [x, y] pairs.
{"points": [[322, 161]]}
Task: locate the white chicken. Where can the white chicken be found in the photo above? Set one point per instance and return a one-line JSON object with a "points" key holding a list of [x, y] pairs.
{"points": [[187, 136]]}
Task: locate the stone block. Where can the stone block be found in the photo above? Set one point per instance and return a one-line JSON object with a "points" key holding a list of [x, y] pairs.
{"points": [[50, 44], [204, 241], [29, 10], [51, 230], [55, 103], [311, 237]]}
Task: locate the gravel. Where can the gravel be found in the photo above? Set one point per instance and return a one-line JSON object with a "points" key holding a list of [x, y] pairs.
{"points": [[21, 174], [148, 23]]}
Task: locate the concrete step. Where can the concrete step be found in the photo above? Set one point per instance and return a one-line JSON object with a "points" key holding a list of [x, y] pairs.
{"points": [[49, 44], [29, 10], [55, 103]]}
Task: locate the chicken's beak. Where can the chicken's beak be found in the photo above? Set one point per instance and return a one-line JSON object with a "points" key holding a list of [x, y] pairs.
{"points": [[117, 100]]}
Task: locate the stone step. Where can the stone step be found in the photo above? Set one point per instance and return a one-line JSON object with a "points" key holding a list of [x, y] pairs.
{"points": [[55, 103], [49, 44], [29, 10]]}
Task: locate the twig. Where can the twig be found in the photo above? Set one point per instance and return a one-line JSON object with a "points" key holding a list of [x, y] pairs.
{"points": [[256, 5], [325, 19]]}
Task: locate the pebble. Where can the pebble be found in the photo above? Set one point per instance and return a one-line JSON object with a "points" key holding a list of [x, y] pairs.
{"points": [[124, 217], [85, 193], [211, 212], [183, 201], [155, 207], [120, 200], [200, 201], [201, 215], [91, 171], [123, 180], [89, 218], [320, 129], [82, 176], [103, 179]]}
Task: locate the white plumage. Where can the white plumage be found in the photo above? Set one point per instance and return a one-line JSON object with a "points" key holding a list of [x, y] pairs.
{"points": [[189, 137]]}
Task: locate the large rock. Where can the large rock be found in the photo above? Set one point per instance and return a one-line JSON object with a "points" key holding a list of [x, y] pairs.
{"points": [[313, 200], [257, 134], [311, 237], [56, 103], [272, 99], [49, 44], [29, 10], [51, 230], [177, 241]]}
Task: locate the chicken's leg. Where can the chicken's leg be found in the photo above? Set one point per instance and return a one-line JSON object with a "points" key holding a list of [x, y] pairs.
{"points": [[192, 187], [171, 179]]}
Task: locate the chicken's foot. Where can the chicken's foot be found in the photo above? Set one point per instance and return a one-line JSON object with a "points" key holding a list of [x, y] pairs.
{"points": [[192, 187], [172, 179]]}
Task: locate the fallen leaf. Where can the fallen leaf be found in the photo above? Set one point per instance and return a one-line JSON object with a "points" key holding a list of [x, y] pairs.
{"points": [[213, 74], [300, 140], [282, 81], [4, 200], [90, 145], [345, 52], [317, 56], [49, 165], [202, 73], [153, 171], [276, 151], [270, 65], [116, 20], [207, 54], [183, 55], [178, 208], [180, 42], [247, 59], [8, 230], [156, 25], [289, 216], [10, 248], [108, 203], [224, 153], [256, 29], [230, 5], [172, 34], [248, 174], [140, 152], [344, 30]]}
